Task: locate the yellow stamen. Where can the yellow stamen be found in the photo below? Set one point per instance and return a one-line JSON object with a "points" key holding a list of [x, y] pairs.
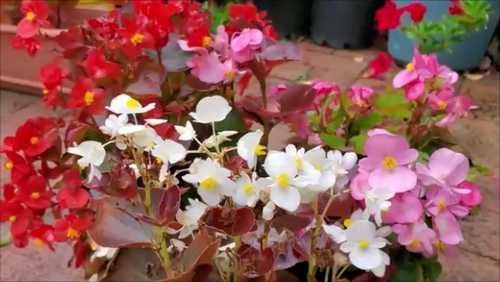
{"points": [[34, 140], [347, 222], [410, 67], [415, 244], [72, 233], [93, 245], [389, 163], [38, 242], [88, 98], [35, 195], [363, 244], [299, 163], [158, 161], [209, 184], [137, 38], [283, 180], [260, 150], [248, 189], [133, 104], [229, 74], [442, 104], [441, 204], [8, 165], [440, 246], [30, 16], [317, 166], [206, 40], [45, 92], [12, 218]]}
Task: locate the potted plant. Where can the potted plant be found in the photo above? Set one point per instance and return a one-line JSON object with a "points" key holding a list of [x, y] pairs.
{"points": [[290, 18], [458, 31], [157, 167], [343, 24]]}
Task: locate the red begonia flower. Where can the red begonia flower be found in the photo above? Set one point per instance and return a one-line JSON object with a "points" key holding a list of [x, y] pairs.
{"points": [[416, 10], [43, 235], [36, 136], [35, 15], [380, 64], [34, 194], [30, 44], [52, 75], [388, 17], [19, 217], [72, 195], [97, 66], [136, 37], [71, 227], [455, 8], [84, 95], [20, 169]]}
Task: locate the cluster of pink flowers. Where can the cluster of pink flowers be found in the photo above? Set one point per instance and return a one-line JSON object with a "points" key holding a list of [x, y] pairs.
{"points": [[421, 201]]}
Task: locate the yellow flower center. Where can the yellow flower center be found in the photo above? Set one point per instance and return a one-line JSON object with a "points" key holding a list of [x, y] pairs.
{"points": [[133, 104], [206, 40], [248, 189], [137, 38], [389, 163], [299, 163], [72, 233], [93, 245], [283, 180], [442, 104], [317, 166], [229, 74], [88, 98], [38, 242], [209, 184], [441, 204], [363, 244], [12, 218], [45, 92], [158, 161], [260, 150], [35, 195], [34, 140], [347, 222], [8, 165], [440, 246], [415, 244], [410, 67], [30, 16]]}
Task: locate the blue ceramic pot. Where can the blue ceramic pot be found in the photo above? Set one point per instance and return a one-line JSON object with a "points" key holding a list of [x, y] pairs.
{"points": [[463, 56]]}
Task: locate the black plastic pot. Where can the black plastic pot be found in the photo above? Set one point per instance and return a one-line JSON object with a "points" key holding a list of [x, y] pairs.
{"points": [[343, 23], [290, 17]]}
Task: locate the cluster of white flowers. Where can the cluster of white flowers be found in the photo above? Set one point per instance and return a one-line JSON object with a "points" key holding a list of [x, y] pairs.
{"points": [[294, 176]]}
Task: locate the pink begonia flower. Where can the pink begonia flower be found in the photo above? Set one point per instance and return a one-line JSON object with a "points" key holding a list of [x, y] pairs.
{"points": [[278, 89], [387, 160], [405, 208], [413, 76], [442, 248], [360, 95], [245, 44], [473, 198], [445, 206], [208, 68], [322, 89], [417, 237], [446, 169], [377, 131], [359, 185], [221, 42], [440, 100], [457, 108]]}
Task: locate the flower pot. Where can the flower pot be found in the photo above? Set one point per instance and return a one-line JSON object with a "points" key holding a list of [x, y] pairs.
{"points": [[343, 24], [289, 17], [462, 56]]}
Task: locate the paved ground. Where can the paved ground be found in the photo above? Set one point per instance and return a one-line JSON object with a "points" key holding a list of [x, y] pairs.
{"points": [[477, 136]]}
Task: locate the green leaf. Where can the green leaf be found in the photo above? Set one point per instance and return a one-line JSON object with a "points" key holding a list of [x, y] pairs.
{"points": [[367, 122], [393, 105], [407, 271], [333, 141], [432, 269], [358, 143], [337, 119]]}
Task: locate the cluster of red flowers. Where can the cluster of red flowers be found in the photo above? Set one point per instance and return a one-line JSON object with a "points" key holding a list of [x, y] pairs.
{"points": [[33, 157], [35, 14], [389, 16]]}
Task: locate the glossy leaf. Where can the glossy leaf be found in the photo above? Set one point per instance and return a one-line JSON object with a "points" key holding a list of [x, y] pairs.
{"points": [[234, 222]]}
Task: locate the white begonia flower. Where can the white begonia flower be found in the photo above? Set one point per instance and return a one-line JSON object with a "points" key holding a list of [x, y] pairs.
{"points": [[124, 104], [113, 123], [147, 138], [362, 241], [211, 179], [317, 173], [298, 155], [178, 245], [155, 121], [249, 148], [130, 128], [187, 132], [92, 154], [189, 217], [282, 170], [377, 200], [211, 109], [248, 190], [268, 211], [341, 166], [169, 151], [221, 137]]}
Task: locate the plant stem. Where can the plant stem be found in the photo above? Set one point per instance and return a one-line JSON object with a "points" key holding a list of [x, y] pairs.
{"points": [[311, 270]]}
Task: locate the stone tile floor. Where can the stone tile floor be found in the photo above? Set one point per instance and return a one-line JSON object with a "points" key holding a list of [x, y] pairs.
{"points": [[477, 136]]}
